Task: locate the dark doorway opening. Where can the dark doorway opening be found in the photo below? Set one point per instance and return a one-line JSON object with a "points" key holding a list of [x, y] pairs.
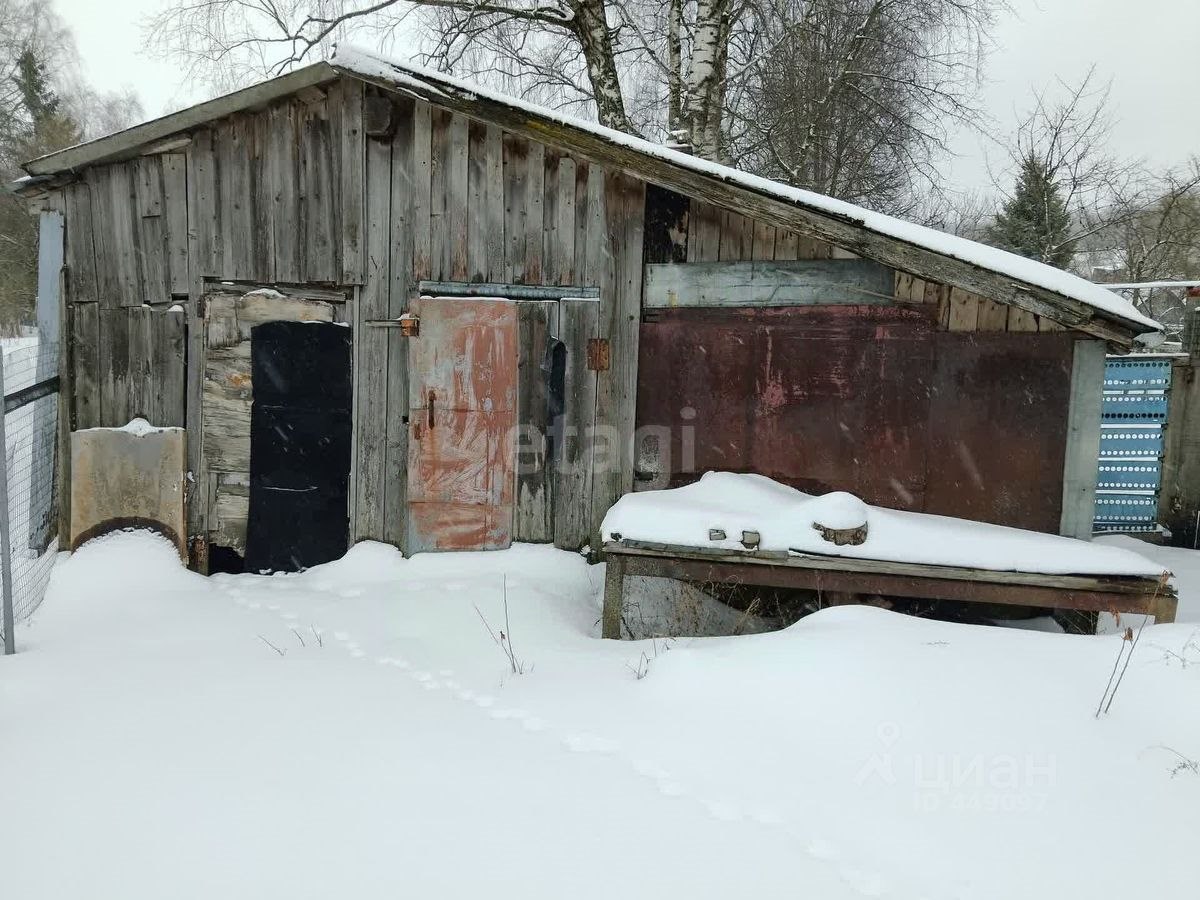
{"points": [[300, 422]]}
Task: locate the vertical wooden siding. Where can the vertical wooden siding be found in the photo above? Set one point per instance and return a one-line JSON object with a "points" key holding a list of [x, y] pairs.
{"points": [[450, 199]]}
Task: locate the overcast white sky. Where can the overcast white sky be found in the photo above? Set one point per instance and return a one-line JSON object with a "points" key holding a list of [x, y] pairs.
{"points": [[1142, 45]]}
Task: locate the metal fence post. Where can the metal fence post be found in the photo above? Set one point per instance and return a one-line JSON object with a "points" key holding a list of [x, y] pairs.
{"points": [[6, 581]]}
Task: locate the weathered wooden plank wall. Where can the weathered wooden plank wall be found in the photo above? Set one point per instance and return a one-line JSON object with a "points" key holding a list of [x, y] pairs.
{"points": [[453, 200], [533, 509]]}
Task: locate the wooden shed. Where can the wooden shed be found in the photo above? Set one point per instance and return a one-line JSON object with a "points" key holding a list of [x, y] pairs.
{"points": [[539, 315]]}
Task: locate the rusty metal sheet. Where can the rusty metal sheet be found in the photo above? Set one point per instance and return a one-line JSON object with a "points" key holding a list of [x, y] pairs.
{"points": [[998, 427], [872, 400], [462, 416], [599, 356], [466, 354], [821, 398]]}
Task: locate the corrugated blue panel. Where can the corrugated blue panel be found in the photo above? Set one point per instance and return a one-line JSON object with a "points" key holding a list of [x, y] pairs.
{"points": [[1131, 441], [1119, 407], [1123, 509], [1129, 475], [1133, 413], [1138, 373]]}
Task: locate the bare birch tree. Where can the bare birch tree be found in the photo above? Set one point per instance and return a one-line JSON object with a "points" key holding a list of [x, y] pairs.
{"points": [[692, 71], [857, 98]]}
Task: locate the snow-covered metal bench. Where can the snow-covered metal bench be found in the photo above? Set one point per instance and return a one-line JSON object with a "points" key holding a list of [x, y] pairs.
{"points": [[841, 576], [741, 529]]}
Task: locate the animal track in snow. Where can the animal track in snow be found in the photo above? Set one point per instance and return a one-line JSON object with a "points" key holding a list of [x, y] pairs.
{"points": [[669, 788], [589, 743], [254, 606], [726, 812], [357, 654], [508, 714], [533, 723], [649, 769], [821, 849], [483, 701], [350, 592], [766, 816], [341, 636], [866, 883]]}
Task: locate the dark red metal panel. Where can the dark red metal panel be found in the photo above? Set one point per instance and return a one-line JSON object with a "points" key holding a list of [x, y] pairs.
{"points": [[998, 427], [867, 399], [821, 398]]}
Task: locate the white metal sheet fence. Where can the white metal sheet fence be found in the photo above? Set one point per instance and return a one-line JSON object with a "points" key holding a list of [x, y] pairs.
{"points": [[28, 505]]}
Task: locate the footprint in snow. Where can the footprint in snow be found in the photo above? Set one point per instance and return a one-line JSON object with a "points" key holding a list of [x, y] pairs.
{"points": [[725, 812], [422, 677], [483, 701], [508, 714], [341, 636], [274, 607], [350, 592], [254, 606], [866, 883], [323, 585], [766, 817], [453, 586], [465, 695], [450, 685], [446, 673], [533, 723], [352, 646], [821, 849], [401, 664], [357, 654], [589, 743], [669, 788], [649, 769], [289, 617]]}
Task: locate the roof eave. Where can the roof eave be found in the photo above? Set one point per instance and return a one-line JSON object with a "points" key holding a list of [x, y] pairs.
{"points": [[131, 141], [841, 231]]}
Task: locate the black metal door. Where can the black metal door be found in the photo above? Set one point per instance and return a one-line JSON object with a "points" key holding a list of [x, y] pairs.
{"points": [[299, 445]]}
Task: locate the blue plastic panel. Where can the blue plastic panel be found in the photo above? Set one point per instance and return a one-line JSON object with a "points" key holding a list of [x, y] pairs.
{"points": [[1133, 414], [1144, 441]]}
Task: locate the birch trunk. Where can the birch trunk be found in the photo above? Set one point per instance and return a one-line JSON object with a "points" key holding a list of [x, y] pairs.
{"points": [[591, 28]]}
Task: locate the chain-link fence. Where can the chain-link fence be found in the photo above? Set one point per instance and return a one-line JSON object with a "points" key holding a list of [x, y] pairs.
{"points": [[28, 506]]}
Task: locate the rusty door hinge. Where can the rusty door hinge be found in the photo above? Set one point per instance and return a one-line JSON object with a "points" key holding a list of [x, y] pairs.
{"points": [[598, 356]]}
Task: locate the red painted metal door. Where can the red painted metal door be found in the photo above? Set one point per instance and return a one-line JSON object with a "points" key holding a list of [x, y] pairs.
{"points": [[462, 414]]}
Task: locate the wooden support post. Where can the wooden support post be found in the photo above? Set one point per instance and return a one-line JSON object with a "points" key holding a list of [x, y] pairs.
{"points": [[1165, 612], [1083, 440], [1179, 499], [614, 597]]}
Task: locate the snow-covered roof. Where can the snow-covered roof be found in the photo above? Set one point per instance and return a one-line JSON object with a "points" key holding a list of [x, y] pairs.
{"points": [[1066, 298], [372, 65]]}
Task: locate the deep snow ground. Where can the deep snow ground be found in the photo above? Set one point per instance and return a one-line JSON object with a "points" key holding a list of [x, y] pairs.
{"points": [[153, 744]]}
